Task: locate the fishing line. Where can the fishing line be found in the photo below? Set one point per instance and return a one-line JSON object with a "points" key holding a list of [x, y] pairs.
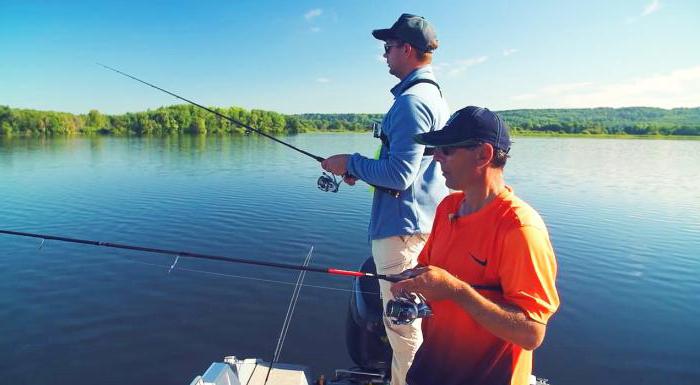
{"points": [[266, 280], [288, 317]]}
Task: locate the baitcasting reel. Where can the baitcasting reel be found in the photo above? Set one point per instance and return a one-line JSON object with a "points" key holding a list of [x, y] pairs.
{"points": [[404, 310], [328, 183]]}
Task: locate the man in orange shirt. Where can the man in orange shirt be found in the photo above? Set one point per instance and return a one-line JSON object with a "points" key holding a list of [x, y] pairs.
{"points": [[487, 269]]}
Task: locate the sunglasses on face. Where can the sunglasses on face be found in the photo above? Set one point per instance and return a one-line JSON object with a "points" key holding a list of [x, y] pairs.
{"points": [[387, 47], [450, 150]]}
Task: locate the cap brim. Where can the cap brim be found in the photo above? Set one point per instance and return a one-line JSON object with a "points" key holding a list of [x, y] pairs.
{"points": [[440, 138], [383, 34]]}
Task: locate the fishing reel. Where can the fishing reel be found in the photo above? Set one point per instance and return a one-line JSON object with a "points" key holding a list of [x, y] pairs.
{"points": [[405, 309], [328, 183]]}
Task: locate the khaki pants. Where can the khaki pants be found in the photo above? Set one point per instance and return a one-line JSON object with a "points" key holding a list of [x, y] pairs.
{"points": [[392, 256]]}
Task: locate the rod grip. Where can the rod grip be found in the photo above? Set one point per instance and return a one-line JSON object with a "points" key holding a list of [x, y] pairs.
{"points": [[346, 272]]}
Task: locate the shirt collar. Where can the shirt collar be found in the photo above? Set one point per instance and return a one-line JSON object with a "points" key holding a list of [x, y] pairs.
{"points": [[418, 73]]}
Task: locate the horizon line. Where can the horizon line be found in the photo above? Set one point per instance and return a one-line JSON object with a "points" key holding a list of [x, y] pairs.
{"points": [[345, 113]]}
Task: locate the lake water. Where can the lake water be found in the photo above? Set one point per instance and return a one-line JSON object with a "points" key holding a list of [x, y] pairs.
{"points": [[624, 217]]}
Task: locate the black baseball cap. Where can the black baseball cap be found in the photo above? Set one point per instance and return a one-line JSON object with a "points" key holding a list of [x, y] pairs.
{"points": [[412, 29], [469, 125]]}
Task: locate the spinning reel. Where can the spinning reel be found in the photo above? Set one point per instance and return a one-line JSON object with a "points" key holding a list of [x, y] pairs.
{"points": [[328, 183], [405, 309]]}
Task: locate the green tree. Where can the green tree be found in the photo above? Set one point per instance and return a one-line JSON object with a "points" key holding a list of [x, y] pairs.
{"points": [[5, 129], [95, 120], [198, 126]]}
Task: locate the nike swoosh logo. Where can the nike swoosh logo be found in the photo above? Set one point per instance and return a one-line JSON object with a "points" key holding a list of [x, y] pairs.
{"points": [[479, 261]]}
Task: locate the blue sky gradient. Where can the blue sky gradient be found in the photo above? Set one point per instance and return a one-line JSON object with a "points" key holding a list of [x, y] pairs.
{"points": [[319, 56]]}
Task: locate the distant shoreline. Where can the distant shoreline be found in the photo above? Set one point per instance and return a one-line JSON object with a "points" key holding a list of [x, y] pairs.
{"points": [[603, 136], [536, 134], [516, 134], [629, 122]]}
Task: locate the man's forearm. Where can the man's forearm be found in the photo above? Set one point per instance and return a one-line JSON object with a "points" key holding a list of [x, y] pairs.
{"points": [[505, 321], [394, 173]]}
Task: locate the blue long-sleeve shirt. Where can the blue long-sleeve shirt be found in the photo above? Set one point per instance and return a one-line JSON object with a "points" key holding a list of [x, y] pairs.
{"points": [[402, 166]]}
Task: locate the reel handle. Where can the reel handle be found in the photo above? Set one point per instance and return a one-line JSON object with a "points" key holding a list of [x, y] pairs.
{"points": [[405, 309]]}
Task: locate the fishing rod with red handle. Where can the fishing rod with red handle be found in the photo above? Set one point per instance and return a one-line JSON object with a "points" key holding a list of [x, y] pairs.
{"points": [[187, 254], [325, 182]]}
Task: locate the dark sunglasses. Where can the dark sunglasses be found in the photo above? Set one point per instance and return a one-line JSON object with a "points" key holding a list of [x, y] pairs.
{"points": [[449, 150], [387, 47]]}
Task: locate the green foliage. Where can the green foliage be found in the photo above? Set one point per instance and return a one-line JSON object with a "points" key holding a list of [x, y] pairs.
{"points": [[615, 121], [188, 119], [95, 121], [340, 122], [5, 129], [32, 122]]}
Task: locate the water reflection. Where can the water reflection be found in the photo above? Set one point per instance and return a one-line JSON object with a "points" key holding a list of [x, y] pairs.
{"points": [[623, 217]]}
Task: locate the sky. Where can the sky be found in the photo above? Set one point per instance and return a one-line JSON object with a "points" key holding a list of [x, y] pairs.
{"points": [[319, 56]]}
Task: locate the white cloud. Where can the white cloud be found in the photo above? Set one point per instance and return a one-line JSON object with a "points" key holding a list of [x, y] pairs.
{"points": [[509, 51], [678, 88], [313, 14], [459, 66], [315, 29], [652, 7], [323, 80]]}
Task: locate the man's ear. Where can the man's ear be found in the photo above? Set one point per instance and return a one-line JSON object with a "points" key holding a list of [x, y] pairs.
{"points": [[407, 49], [485, 154]]}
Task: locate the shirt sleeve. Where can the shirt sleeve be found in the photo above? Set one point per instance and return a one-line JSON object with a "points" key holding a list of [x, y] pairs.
{"points": [[397, 171], [528, 271]]}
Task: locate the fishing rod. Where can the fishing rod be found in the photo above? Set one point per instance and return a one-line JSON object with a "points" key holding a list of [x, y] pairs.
{"points": [[325, 182], [187, 254]]}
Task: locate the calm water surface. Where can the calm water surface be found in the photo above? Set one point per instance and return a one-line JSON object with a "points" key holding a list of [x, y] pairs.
{"points": [[624, 217]]}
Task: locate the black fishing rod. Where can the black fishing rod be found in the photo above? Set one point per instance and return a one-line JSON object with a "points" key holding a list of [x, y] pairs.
{"points": [[325, 182], [230, 119], [187, 254]]}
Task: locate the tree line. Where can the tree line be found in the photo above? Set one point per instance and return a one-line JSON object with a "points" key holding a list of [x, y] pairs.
{"points": [[188, 119], [176, 119], [615, 121]]}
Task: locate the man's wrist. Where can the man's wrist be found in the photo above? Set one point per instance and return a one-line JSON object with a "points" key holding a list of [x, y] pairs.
{"points": [[462, 293], [351, 166]]}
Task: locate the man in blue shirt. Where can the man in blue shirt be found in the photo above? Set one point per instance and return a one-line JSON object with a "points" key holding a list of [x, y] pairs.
{"points": [[399, 225]]}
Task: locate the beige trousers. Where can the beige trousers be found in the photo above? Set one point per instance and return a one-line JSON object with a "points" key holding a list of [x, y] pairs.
{"points": [[392, 256]]}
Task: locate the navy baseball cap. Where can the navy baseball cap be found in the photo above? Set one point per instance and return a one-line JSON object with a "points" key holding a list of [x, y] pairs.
{"points": [[469, 125], [412, 29]]}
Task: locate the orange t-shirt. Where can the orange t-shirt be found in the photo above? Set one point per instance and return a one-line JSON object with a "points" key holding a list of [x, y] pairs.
{"points": [[503, 244]]}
